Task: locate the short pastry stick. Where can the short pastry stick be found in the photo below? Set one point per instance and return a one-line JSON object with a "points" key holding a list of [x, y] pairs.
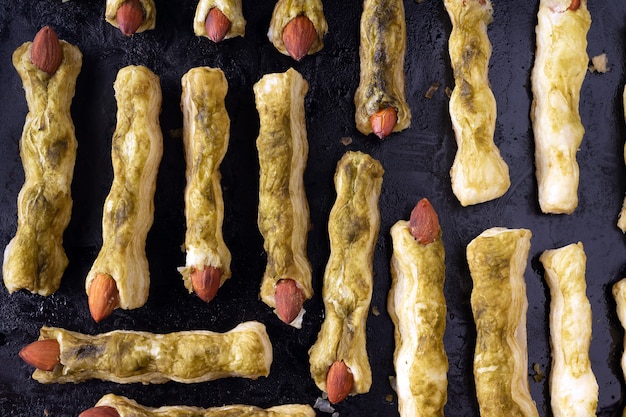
{"points": [[621, 221], [417, 306], [283, 216], [206, 134], [126, 357], [34, 259], [120, 277], [131, 16], [619, 294], [298, 27], [561, 62], [381, 106], [219, 19], [338, 359], [497, 260], [573, 386], [125, 407], [478, 172]]}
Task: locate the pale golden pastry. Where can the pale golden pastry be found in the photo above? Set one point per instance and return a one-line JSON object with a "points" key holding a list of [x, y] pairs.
{"points": [[497, 260], [35, 259], [621, 220], [230, 8], [149, 14], [353, 228], [286, 10], [619, 294], [573, 386], [478, 172], [561, 62]]}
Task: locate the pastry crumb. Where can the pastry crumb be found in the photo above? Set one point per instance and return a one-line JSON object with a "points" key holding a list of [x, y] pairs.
{"points": [[375, 311], [346, 140], [539, 375], [599, 63], [432, 90]]}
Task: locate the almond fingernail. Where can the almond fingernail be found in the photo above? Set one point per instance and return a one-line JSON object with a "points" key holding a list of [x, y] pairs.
{"points": [[298, 36], [100, 411], [45, 52], [103, 297], [339, 382], [205, 282], [383, 121], [217, 25], [42, 354], [289, 299], [424, 222], [129, 17]]}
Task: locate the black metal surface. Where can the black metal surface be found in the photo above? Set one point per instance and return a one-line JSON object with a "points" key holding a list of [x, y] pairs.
{"points": [[417, 163]]}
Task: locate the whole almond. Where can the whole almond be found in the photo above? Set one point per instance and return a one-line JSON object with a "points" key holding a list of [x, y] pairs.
{"points": [[206, 282], [298, 36], [129, 17], [339, 381], [103, 297], [424, 222], [43, 354], [45, 52], [383, 122], [289, 299], [100, 411], [216, 25]]}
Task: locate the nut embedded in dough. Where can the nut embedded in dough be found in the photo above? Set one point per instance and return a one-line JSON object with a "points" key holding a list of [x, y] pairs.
{"points": [[103, 297], [217, 25], [42, 354], [130, 16], [100, 411], [206, 282], [383, 121], [289, 299], [46, 53], [298, 36], [339, 382]]}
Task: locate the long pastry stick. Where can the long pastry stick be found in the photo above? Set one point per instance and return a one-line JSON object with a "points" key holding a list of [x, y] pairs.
{"points": [[621, 220], [219, 19], [34, 259]]}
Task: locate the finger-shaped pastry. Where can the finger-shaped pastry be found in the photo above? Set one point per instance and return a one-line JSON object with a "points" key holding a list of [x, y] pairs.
{"points": [[206, 133], [619, 295], [338, 359], [131, 16], [283, 216], [34, 259], [219, 19], [417, 306], [478, 173], [119, 277], [497, 260], [124, 356], [298, 27], [560, 65], [381, 106], [621, 220], [573, 386], [118, 406]]}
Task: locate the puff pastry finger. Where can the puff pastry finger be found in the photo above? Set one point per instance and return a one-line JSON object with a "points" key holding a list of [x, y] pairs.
{"points": [[621, 220]]}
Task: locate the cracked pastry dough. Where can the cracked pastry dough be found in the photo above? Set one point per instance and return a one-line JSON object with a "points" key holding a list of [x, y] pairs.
{"points": [[34, 259], [560, 66], [136, 150], [283, 216], [381, 50], [149, 18], [230, 8], [417, 307], [206, 133], [497, 260], [130, 408], [478, 173], [286, 10], [353, 228], [573, 386], [124, 356]]}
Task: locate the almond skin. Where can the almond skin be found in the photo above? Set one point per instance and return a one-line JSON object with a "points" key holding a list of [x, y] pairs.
{"points": [[101, 411], [129, 17], [42, 354], [298, 36], [574, 5], [217, 25], [383, 121], [424, 223], [289, 299], [103, 297], [46, 53], [205, 282], [339, 381]]}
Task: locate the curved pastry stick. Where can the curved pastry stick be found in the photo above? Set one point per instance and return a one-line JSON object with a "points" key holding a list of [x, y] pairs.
{"points": [[381, 87], [497, 261], [560, 66], [145, 8], [125, 407], [230, 9], [205, 136], [348, 280], [298, 27], [621, 220], [34, 259], [136, 150], [478, 173], [619, 294], [283, 209], [573, 387], [417, 306], [126, 357]]}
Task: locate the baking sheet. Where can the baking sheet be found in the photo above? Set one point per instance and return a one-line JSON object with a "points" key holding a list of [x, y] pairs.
{"points": [[417, 163]]}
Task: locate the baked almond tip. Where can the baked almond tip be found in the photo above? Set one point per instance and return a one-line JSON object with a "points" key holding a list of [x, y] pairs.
{"points": [[383, 122], [46, 53], [129, 17], [103, 297], [339, 381], [424, 222], [298, 36], [217, 25], [574, 5], [289, 299], [100, 411], [205, 282], [43, 354]]}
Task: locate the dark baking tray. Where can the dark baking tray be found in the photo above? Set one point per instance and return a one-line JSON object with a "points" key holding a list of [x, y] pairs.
{"points": [[417, 163]]}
